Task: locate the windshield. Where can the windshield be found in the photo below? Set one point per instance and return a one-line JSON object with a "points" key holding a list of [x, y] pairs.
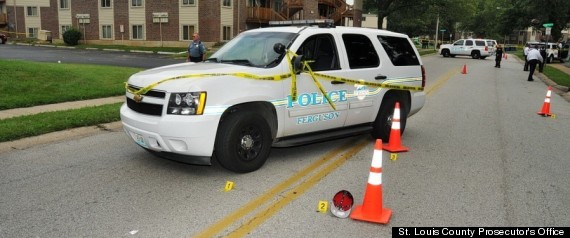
{"points": [[253, 49]]}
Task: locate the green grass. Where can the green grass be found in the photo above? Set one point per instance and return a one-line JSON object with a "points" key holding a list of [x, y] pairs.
{"points": [[42, 123], [26, 84]]}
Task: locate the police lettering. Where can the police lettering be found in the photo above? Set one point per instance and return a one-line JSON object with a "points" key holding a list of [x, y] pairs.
{"points": [[311, 99]]}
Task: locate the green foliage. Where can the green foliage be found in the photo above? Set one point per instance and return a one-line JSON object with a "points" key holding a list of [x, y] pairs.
{"points": [[26, 84], [71, 36], [33, 125]]}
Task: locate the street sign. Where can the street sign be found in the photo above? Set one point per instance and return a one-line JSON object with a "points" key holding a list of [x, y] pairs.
{"points": [[442, 30], [548, 31], [548, 25]]}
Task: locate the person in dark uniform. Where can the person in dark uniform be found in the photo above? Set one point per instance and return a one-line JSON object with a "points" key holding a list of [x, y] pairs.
{"points": [[543, 54], [498, 56], [196, 50]]}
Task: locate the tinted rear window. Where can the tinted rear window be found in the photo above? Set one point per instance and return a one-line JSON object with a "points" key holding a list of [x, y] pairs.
{"points": [[399, 50], [479, 43]]}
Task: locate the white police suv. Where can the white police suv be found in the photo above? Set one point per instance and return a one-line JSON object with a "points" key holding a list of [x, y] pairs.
{"points": [[275, 87], [476, 48]]}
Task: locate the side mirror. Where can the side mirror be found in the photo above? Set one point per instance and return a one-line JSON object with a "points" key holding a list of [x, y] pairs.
{"points": [[279, 48], [298, 64]]}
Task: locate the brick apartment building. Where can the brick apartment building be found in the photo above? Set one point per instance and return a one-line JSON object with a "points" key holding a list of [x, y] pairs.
{"points": [[155, 22]]}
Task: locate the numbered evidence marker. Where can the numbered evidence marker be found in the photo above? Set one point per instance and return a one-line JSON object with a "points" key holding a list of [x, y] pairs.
{"points": [[393, 156], [323, 206], [553, 116], [229, 186]]}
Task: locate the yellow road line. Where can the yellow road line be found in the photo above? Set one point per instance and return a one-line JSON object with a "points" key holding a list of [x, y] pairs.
{"points": [[277, 206], [440, 81], [252, 205]]}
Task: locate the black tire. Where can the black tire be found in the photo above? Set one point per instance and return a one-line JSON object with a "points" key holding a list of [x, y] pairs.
{"points": [[445, 53], [383, 123], [475, 54], [243, 141]]}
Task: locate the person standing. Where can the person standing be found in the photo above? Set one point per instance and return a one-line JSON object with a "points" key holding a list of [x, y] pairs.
{"points": [[543, 54], [533, 58], [498, 56], [525, 53], [196, 50]]}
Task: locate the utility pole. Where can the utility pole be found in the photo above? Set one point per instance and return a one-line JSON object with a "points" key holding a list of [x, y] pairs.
{"points": [[357, 13]]}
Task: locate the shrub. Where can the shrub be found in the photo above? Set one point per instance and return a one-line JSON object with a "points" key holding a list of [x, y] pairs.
{"points": [[71, 36]]}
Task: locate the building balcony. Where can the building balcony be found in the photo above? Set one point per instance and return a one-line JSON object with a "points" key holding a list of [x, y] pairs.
{"points": [[3, 19], [262, 15]]}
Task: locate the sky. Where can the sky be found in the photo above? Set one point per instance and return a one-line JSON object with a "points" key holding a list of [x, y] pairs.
{"points": [[350, 2]]}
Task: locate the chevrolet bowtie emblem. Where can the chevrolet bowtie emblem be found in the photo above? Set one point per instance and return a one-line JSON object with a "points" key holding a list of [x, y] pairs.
{"points": [[138, 98]]}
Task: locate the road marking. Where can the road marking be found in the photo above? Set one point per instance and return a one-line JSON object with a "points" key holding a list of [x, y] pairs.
{"points": [[278, 205], [273, 192], [440, 82]]}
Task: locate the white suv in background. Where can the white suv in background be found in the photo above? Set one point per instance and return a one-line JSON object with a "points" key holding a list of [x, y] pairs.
{"points": [[551, 50], [257, 92], [476, 48]]}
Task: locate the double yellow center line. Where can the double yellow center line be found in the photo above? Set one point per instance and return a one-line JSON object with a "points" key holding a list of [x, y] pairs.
{"points": [[333, 160]]}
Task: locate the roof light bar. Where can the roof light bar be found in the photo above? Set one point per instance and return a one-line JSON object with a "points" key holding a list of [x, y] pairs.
{"points": [[320, 22]]}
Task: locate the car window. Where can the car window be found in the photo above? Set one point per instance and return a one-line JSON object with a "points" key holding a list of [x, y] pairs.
{"points": [[468, 43], [399, 50], [360, 51], [321, 51], [479, 43], [490, 43], [459, 42]]}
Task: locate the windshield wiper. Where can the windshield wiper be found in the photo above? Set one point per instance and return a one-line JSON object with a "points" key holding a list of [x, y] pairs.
{"points": [[238, 61]]}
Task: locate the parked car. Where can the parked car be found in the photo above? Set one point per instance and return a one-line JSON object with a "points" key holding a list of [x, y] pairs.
{"points": [[551, 50], [254, 93], [3, 38], [476, 48]]}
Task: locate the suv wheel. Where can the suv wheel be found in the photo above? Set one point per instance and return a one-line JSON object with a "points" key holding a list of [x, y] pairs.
{"points": [[445, 53], [475, 54], [243, 142], [383, 123]]}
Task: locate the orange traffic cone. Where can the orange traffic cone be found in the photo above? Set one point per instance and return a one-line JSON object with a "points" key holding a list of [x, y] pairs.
{"points": [[464, 69], [546, 105], [371, 209], [394, 143]]}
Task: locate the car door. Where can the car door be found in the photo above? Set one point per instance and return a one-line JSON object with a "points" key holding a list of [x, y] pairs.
{"points": [[457, 47], [311, 111], [466, 50]]}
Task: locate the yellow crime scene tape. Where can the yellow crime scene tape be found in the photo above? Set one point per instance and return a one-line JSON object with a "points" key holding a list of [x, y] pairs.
{"points": [[306, 69]]}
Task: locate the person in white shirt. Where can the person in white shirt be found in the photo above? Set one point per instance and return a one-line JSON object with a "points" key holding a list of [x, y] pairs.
{"points": [[533, 57], [525, 53]]}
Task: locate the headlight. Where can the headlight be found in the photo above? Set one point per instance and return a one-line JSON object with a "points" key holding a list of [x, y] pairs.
{"points": [[187, 103]]}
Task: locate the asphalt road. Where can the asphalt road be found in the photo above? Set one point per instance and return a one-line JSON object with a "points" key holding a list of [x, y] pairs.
{"points": [[479, 156], [65, 55]]}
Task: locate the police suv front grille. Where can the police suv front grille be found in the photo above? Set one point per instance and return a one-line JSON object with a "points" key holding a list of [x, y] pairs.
{"points": [[151, 93], [144, 108]]}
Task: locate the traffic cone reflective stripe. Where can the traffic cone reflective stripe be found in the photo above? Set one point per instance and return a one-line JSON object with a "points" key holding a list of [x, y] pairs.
{"points": [[464, 69], [371, 209], [394, 143], [546, 105]]}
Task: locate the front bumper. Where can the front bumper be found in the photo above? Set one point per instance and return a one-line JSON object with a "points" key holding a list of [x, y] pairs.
{"points": [[173, 134]]}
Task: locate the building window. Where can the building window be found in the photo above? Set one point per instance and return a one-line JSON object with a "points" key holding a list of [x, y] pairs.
{"points": [[32, 32], [136, 3], [106, 3], [187, 32], [64, 28], [137, 32], [227, 33], [64, 4], [32, 11], [107, 32], [227, 3], [188, 2]]}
